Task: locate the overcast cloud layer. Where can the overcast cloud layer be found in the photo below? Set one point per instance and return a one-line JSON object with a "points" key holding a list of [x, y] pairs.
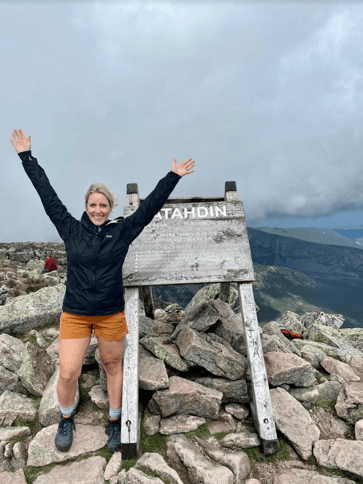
{"points": [[268, 95]]}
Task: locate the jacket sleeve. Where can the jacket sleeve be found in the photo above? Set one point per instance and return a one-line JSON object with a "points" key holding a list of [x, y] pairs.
{"points": [[53, 207], [135, 223]]}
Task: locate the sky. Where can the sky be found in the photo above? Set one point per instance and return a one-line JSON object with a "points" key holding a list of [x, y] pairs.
{"points": [[268, 94]]}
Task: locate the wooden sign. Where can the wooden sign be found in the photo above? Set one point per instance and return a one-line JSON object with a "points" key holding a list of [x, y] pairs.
{"points": [[189, 243]]}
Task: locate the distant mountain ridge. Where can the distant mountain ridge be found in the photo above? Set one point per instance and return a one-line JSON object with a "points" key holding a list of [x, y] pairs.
{"points": [[338, 269], [317, 235]]}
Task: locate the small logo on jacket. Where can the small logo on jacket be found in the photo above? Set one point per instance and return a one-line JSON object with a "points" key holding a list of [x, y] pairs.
{"points": [[109, 236]]}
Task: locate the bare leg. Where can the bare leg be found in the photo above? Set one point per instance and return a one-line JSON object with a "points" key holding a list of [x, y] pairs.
{"points": [[71, 355], [111, 354]]}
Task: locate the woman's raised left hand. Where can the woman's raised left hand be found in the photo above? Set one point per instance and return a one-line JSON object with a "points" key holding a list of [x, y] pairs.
{"points": [[184, 168]]}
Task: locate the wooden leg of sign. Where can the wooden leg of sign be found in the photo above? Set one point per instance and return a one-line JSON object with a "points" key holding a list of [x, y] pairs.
{"points": [[224, 291], [261, 406], [130, 423], [147, 297]]}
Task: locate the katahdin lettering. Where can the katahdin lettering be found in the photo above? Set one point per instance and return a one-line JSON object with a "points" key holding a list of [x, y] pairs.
{"points": [[196, 212]]}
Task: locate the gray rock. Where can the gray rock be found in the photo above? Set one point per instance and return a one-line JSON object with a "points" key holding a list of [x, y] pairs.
{"points": [[103, 374], [151, 423], [13, 405], [231, 330], [358, 430], [7, 433], [233, 391], [88, 471], [345, 455], [17, 477], [222, 425], [294, 422], [168, 352], [292, 322], [155, 463], [186, 456], [99, 397], [86, 438], [273, 343], [180, 424], [212, 353], [325, 334], [113, 466], [186, 397], [238, 463], [152, 374], [209, 293], [11, 350], [9, 381], [241, 440], [330, 427], [349, 404], [200, 318], [306, 396], [334, 321], [135, 476], [313, 355], [272, 328], [35, 370], [335, 367], [33, 310], [288, 368], [19, 456], [329, 390], [328, 350], [353, 337], [153, 327], [90, 356], [237, 410]]}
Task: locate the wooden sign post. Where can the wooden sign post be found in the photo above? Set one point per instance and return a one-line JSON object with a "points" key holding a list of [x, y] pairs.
{"points": [[190, 241]]}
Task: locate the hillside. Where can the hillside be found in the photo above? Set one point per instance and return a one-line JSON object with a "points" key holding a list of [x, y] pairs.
{"points": [[317, 235]]}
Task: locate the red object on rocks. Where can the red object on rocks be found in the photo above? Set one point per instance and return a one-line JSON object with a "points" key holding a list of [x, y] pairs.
{"points": [[291, 334], [50, 264]]}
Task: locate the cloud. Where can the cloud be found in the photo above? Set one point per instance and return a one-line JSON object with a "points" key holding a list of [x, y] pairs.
{"points": [[147, 27]]}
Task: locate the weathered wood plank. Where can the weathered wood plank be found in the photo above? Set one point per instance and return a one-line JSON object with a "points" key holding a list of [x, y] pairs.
{"points": [[261, 401], [191, 243], [130, 425]]}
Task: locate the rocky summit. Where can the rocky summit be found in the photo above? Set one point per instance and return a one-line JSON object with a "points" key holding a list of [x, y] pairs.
{"points": [[194, 392]]}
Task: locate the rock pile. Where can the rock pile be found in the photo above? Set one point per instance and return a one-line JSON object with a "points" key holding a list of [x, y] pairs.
{"points": [[193, 375]]}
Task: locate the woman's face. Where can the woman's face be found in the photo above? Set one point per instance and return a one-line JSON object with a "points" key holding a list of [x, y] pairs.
{"points": [[98, 208]]}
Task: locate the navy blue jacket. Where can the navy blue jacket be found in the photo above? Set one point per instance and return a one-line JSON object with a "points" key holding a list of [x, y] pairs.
{"points": [[95, 255]]}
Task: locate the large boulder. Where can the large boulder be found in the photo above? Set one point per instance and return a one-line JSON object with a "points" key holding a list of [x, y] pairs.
{"points": [[212, 353], [345, 455], [294, 421], [33, 310], [286, 368], [187, 397]]}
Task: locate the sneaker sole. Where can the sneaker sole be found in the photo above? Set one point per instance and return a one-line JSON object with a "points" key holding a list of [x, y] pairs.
{"points": [[114, 449], [63, 449]]}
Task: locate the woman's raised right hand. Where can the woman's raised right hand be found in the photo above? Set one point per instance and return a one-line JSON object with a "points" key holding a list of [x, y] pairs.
{"points": [[21, 143]]}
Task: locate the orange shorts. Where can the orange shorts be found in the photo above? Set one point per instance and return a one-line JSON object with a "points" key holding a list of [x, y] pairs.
{"points": [[109, 327]]}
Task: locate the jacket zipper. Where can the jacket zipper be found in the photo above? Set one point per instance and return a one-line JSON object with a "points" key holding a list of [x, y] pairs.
{"points": [[94, 279]]}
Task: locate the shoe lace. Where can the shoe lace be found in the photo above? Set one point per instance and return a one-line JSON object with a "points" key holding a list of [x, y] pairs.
{"points": [[114, 429], [65, 425]]}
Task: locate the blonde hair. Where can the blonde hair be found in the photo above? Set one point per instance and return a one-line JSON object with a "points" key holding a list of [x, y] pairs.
{"points": [[101, 188]]}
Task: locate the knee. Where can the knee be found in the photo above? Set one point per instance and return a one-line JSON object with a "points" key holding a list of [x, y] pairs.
{"points": [[68, 376], [113, 366]]}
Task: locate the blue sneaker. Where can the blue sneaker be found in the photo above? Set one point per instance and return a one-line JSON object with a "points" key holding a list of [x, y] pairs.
{"points": [[64, 437], [114, 440]]}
